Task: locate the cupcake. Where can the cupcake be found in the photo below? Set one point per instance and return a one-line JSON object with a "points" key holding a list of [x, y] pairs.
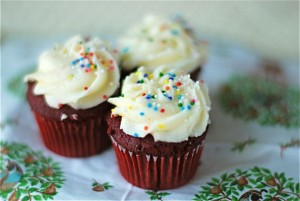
{"points": [[158, 128], [160, 41], [68, 95]]}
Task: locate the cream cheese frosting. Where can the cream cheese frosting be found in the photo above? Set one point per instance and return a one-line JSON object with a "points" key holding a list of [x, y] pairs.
{"points": [[80, 73], [159, 41], [170, 106]]}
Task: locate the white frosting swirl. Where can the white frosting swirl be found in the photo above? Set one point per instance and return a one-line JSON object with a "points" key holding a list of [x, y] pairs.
{"points": [[158, 41], [81, 74], [170, 106]]}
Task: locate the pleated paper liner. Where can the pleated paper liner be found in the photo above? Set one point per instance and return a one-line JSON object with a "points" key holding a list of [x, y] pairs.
{"points": [[72, 138], [157, 172]]}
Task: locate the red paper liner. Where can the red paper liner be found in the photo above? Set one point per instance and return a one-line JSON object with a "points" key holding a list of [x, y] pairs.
{"points": [[157, 172], [74, 139]]}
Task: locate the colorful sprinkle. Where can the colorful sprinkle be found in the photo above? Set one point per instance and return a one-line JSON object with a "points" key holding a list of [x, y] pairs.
{"points": [[161, 126], [125, 50], [146, 128], [162, 110], [86, 88], [174, 32], [140, 81], [142, 113], [161, 74], [178, 84], [149, 105], [155, 108], [70, 76], [104, 97], [60, 105], [135, 135]]}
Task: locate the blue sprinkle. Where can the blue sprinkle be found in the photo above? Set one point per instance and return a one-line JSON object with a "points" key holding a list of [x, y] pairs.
{"points": [[81, 58], [179, 97], [174, 32], [142, 113], [182, 108], [138, 82], [74, 62], [149, 105], [146, 75], [125, 50], [189, 107], [155, 108], [88, 49], [174, 87], [135, 135], [88, 65], [171, 78], [82, 65], [148, 97], [170, 98]]}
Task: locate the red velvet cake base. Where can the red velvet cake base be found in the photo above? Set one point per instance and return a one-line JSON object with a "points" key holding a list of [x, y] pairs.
{"points": [[73, 139], [157, 172], [69, 132], [155, 165]]}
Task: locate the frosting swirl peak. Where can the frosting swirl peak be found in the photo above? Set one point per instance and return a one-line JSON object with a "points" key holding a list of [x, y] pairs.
{"points": [[159, 41], [168, 105], [80, 73]]}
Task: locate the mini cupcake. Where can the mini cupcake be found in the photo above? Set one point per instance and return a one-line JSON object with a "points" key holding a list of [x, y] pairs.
{"points": [[159, 41], [68, 95], [158, 128]]}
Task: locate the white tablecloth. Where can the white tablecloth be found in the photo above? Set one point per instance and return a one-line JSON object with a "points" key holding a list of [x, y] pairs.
{"points": [[79, 175]]}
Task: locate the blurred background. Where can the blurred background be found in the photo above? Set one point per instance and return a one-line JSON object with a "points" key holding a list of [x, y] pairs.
{"points": [[268, 28]]}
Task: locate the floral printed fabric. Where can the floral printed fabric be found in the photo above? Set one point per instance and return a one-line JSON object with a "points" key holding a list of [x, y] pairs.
{"points": [[240, 158]]}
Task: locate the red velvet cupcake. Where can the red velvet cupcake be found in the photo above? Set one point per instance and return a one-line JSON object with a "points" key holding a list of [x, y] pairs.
{"points": [[160, 41], [68, 96], [158, 128]]}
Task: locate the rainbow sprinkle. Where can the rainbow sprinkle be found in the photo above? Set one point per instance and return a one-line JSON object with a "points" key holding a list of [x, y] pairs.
{"points": [[171, 89], [85, 62]]}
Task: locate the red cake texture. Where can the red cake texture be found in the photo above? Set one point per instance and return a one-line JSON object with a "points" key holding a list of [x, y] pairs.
{"points": [[70, 132], [154, 165]]}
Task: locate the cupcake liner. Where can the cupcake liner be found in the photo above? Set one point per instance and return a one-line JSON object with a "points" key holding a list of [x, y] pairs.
{"points": [[157, 172], [73, 138]]}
